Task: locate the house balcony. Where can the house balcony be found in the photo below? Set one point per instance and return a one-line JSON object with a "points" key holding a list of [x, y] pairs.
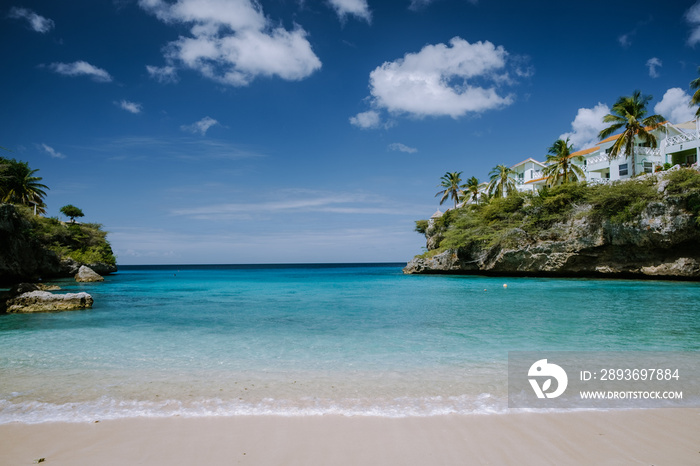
{"points": [[648, 151], [681, 142], [598, 162], [537, 174]]}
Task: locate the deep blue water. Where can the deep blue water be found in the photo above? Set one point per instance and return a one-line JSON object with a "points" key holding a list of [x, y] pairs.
{"points": [[312, 339]]}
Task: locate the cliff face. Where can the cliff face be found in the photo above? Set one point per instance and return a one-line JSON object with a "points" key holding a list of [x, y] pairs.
{"points": [[662, 241], [24, 258], [21, 257]]}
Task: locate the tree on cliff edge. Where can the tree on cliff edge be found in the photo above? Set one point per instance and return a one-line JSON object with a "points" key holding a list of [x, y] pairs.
{"points": [[71, 212], [628, 113], [502, 182], [451, 181], [561, 166], [19, 185]]}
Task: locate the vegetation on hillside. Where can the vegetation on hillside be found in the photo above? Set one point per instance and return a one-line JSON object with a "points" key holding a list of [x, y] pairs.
{"points": [[85, 243], [503, 220]]}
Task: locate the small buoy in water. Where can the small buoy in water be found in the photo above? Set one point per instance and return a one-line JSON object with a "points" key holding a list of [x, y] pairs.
{"points": [[505, 285], [484, 289]]}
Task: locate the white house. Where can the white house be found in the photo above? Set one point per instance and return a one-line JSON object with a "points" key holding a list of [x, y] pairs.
{"points": [[529, 176]]}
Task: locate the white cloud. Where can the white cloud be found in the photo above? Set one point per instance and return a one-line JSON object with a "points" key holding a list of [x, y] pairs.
{"points": [[162, 74], [397, 146], [132, 107], [674, 106], [232, 42], [365, 120], [150, 245], [81, 68], [298, 201], [625, 40], [357, 8], [586, 126], [441, 80], [418, 4], [36, 22], [653, 64], [52, 152], [693, 17], [201, 126]]}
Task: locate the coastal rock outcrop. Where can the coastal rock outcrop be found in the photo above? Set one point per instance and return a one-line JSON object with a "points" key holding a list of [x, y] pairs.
{"points": [[661, 241], [23, 258], [44, 301], [86, 274]]}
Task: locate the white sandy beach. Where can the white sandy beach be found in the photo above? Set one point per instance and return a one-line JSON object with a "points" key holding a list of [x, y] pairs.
{"points": [[658, 437]]}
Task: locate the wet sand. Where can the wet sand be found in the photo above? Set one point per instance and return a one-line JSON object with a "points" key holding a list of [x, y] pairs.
{"points": [[658, 437]]}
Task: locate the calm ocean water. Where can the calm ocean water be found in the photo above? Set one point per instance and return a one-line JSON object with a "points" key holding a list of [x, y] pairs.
{"points": [[310, 340]]}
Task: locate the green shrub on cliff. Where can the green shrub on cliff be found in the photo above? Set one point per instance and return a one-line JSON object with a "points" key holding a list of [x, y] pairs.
{"points": [[505, 220], [684, 189], [85, 243], [622, 201]]}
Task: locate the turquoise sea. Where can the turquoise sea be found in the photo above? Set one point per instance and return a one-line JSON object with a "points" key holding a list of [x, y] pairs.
{"points": [[316, 339]]}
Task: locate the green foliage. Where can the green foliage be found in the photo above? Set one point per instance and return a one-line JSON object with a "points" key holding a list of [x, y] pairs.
{"points": [[431, 253], [451, 182], [422, 226], [551, 205], [629, 115], [18, 185], [85, 243], [667, 165], [684, 189], [71, 212], [622, 201], [510, 220], [503, 208]]}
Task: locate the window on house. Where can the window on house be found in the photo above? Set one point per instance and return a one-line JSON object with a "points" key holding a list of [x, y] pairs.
{"points": [[648, 167], [623, 169]]}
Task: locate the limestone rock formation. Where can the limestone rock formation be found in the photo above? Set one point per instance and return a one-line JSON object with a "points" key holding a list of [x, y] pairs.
{"points": [[44, 301], [86, 274], [663, 241]]}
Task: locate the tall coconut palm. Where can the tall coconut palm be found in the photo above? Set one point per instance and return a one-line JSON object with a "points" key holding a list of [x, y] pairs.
{"points": [[561, 165], [695, 100], [18, 185], [628, 113], [502, 181], [451, 181], [471, 189]]}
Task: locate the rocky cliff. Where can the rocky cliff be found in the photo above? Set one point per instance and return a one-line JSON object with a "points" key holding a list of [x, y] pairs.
{"points": [[26, 256], [658, 237]]}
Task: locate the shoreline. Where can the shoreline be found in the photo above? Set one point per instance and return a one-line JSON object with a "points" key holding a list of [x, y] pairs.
{"points": [[651, 436]]}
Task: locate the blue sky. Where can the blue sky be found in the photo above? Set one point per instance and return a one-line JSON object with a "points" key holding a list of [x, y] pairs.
{"points": [[231, 131]]}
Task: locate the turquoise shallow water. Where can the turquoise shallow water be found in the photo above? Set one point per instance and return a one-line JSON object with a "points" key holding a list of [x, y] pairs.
{"points": [[309, 340]]}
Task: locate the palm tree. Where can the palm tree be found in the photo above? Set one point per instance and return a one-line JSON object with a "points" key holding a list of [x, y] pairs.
{"points": [[628, 113], [451, 181], [18, 185], [471, 189], [695, 100], [561, 166], [501, 180]]}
